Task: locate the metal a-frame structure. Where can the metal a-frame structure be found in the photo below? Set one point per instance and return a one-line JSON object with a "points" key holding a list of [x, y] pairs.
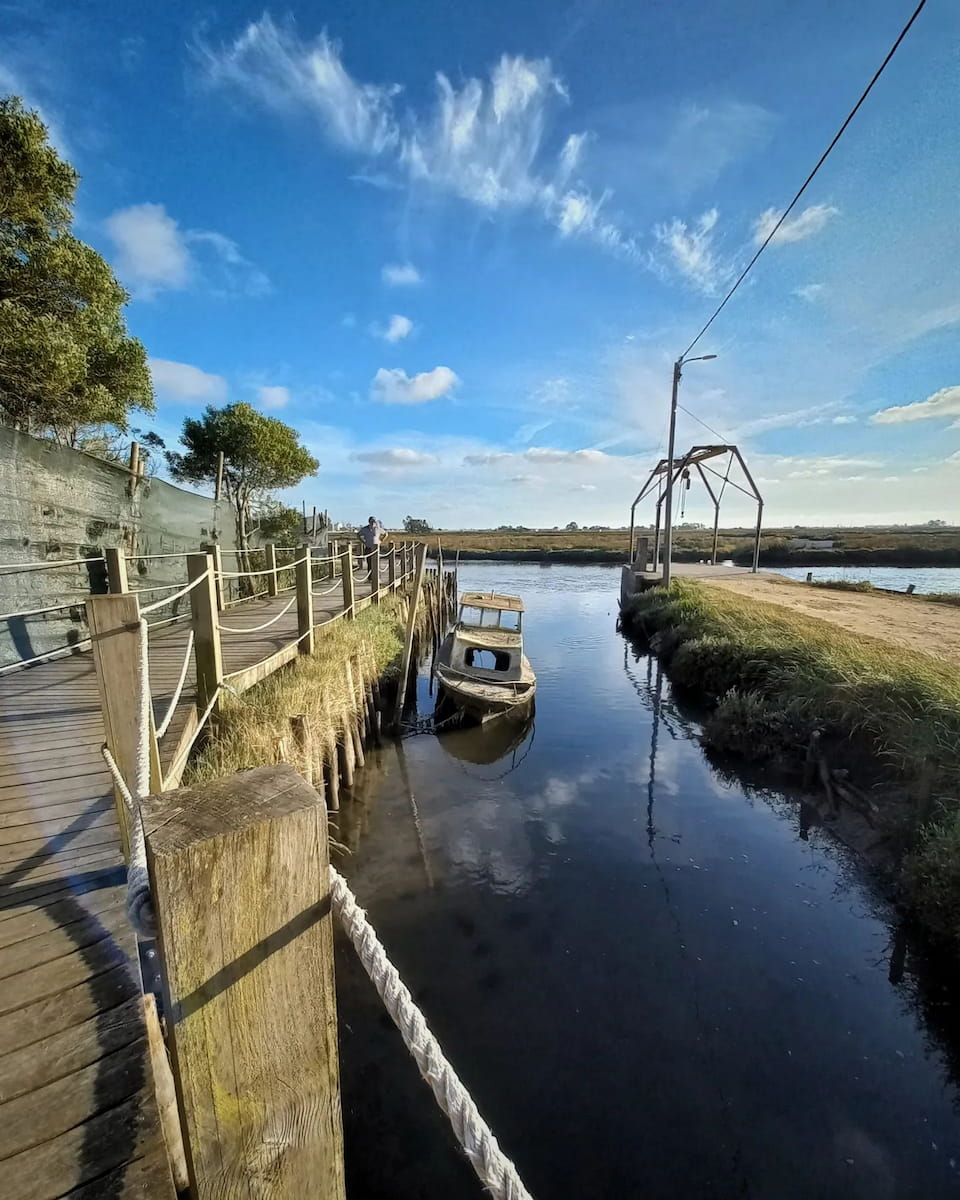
{"points": [[697, 458]]}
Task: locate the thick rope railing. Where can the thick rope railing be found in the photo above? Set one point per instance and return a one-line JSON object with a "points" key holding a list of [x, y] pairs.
{"points": [[139, 901], [325, 591], [492, 1166], [58, 653], [475, 1136], [175, 699], [36, 612], [262, 570], [176, 596], [258, 628], [22, 568]]}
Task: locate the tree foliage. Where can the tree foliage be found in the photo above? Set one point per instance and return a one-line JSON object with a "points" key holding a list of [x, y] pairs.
{"points": [[260, 453], [66, 359], [279, 523], [416, 525]]}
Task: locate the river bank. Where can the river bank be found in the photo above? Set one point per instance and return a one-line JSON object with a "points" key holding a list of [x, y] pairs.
{"points": [[607, 902], [843, 689]]}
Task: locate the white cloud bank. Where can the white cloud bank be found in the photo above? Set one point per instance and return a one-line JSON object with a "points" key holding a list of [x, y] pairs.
{"points": [[181, 381], [945, 403], [397, 458], [153, 254], [394, 386]]}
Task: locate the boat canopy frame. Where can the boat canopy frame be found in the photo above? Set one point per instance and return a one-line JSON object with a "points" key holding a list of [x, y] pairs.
{"points": [[697, 457]]}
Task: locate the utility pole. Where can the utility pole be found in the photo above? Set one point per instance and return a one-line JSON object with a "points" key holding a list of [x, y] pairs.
{"points": [[668, 497]]}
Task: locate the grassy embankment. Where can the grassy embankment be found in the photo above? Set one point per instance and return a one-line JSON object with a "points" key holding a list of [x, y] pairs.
{"points": [[865, 547], [252, 725], [889, 717]]}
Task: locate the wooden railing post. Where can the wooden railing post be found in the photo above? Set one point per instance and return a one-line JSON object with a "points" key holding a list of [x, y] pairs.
{"points": [[116, 570], [375, 575], [115, 640], [270, 552], [206, 634], [392, 568], [335, 552], [239, 876], [305, 600], [217, 554], [346, 574]]}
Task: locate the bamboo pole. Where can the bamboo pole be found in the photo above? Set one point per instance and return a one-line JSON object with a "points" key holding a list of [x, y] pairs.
{"points": [[411, 629]]}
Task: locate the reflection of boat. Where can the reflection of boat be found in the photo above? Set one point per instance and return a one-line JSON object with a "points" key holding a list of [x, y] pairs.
{"points": [[489, 743], [481, 665]]}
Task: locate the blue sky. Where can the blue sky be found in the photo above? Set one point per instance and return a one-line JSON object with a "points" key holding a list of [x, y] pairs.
{"points": [[458, 247]]}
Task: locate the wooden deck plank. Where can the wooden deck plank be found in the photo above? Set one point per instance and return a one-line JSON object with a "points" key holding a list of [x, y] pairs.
{"points": [[77, 1110]]}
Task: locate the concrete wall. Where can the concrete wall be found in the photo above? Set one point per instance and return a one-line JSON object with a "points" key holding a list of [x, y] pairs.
{"points": [[60, 504]]}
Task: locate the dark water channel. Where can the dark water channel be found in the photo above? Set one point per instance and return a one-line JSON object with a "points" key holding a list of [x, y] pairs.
{"points": [[656, 981]]}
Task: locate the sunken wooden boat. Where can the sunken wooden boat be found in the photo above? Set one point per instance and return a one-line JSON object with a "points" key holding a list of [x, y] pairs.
{"points": [[481, 666]]}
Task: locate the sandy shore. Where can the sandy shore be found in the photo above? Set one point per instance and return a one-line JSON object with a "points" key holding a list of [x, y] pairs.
{"points": [[906, 621]]}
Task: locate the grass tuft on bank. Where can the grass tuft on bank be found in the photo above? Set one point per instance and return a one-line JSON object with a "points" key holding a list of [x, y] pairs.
{"points": [[772, 675], [252, 724]]}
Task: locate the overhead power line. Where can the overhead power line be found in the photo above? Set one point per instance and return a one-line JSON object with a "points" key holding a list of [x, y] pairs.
{"points": [[823, 158]]}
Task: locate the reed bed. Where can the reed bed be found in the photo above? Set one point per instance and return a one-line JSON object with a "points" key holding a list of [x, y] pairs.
{"points": [[891, 715]]}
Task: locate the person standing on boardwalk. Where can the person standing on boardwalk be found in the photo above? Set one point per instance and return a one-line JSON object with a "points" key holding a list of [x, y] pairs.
{"points": [[372, 534]]}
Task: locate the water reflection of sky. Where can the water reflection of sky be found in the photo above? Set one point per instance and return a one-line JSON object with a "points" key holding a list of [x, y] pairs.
{"points": [[654, 985]]}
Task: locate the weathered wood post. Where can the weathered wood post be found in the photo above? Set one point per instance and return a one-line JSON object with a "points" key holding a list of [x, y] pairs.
{"points": [[115, 640], [346, 573], [335, 555], [392, 568], [270, 553], [206, 633], [217, 555], [305, 599], [375, 575], [411, 629], [116, 570], [250, 995]]}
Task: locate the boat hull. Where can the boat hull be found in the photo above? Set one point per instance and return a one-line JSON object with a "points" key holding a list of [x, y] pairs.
{"points": [[485, 700]]}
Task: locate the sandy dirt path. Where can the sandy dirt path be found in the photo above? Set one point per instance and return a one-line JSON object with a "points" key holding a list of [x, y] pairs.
{"points": [[933, 629]]}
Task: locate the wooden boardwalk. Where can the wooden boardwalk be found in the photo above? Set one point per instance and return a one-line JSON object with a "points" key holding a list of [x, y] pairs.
{"points": [[77, 1110]]}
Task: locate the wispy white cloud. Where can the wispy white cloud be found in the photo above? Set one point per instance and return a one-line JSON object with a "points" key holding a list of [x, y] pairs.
{"points": [[953, 458], [690, 251], [181, 381], [396, 329], [794, 229], [401, 275], [945, 403], [270, 63], [153, 254], [811, 292], [484, 141], [272, 396], [394, 386]]}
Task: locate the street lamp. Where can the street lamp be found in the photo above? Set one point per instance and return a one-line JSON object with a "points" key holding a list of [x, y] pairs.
{"points": [[668, 508]]}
